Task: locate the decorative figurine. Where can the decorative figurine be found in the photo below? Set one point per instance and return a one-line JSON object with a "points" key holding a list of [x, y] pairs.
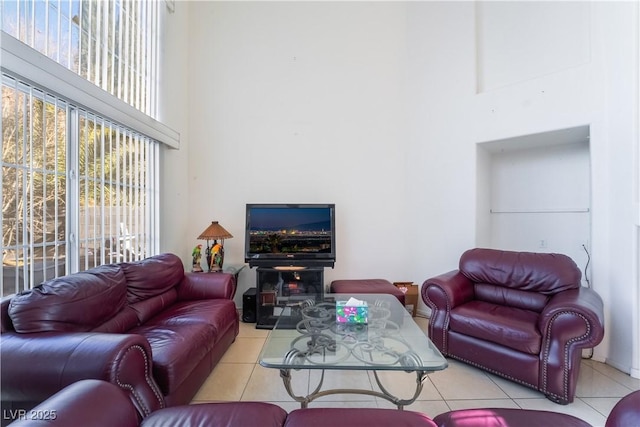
{"points": [[217, 256], [197, 255]]}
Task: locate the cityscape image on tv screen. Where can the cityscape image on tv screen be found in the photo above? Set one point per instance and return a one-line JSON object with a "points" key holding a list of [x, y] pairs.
{"points": [[285, 230]]}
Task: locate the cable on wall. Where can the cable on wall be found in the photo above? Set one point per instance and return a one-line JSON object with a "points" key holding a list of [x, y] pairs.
{"points": [[586, 276]]}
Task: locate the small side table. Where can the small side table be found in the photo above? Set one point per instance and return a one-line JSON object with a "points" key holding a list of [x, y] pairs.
{"points": [[235, 270], [410, 294]]}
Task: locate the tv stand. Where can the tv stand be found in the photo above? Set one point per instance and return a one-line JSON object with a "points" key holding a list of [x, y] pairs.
{"points": [[282, 292], [282, 263]]}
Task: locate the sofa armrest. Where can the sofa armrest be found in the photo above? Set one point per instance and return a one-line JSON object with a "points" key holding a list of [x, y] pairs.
{"points": [[447, 290], [37, 365], [571, 321], [197, 286], [84, 403], [441, 294], [576, 315]]}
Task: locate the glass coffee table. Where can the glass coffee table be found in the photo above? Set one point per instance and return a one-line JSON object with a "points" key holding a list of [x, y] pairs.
{"points": [[311, 338]]}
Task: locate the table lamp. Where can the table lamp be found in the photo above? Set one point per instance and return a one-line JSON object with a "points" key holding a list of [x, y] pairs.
{"points": [[215, 252]]}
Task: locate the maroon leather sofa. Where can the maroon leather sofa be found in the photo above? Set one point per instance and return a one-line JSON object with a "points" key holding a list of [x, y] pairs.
{"points": [[146, 326], [520, 315], [94, 403]]}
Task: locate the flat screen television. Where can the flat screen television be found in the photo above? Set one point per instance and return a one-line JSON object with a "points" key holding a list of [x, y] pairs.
{"points": [[290, 235]]}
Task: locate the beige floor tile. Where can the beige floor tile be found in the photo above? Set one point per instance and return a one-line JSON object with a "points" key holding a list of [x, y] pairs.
{"points": [[604, 405], [403, 385], [342, 380], [614, 374], [244, 350], [226, 382], [592, 383], [460, 381], [515, 390], [265, 385], [248, 330]]}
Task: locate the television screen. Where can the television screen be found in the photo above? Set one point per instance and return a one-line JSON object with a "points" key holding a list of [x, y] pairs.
{"points": [[290, 234]]}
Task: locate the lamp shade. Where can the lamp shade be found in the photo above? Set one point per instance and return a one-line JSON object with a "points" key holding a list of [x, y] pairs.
{"points": [[215, 231]]}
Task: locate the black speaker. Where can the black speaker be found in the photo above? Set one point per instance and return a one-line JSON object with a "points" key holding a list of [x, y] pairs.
{"points": [[249, 305]]}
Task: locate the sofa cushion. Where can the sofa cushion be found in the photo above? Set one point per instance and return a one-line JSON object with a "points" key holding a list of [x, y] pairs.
{"points": [[153, 305], [528, 271], [124, 320], [177, 349], [356, 417], [75, 303], [503, 417], [507, 326], [510, 297], [223, 414], [152, 276], [217, 314]]}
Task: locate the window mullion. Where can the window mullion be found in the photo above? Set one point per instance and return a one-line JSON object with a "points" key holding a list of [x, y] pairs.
{"points": [[73, 252], [138, 211], [29, 195], [56, 189]]}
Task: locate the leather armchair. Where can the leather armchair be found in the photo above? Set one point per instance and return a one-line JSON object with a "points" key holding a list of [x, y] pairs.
{"points": [[520, 315]]}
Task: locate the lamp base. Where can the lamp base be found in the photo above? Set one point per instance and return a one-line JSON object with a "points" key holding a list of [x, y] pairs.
{"points": [[216, 258]]}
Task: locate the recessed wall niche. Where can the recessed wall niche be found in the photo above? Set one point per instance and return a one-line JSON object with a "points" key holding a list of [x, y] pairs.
{"points": [[534, 194]]}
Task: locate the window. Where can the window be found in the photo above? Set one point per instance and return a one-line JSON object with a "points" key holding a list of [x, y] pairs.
{"points": [[79, 169], [113, 44]]}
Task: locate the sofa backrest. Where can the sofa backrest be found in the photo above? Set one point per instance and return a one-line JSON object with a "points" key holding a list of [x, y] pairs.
{"points": [[521, 279], [151, 284], [152, 276], [109, 298], [74, 303]]}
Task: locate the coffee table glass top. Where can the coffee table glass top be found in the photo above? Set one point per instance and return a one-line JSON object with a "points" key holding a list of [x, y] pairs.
{"points": [[390, 340]]}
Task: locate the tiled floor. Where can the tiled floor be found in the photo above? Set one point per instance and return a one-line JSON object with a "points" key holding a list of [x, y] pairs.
{"points": [[239, 377]]}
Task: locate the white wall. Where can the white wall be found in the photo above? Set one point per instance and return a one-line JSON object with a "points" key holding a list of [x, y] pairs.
{"points": [[174, 177], [378, 107], [300, 103]]}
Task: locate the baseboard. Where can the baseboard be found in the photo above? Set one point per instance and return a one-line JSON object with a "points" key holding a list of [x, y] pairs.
{"points": [[621, 368], [424, 312]]}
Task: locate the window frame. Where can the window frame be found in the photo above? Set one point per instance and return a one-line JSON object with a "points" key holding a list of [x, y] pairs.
{"points": [[41, 71]]}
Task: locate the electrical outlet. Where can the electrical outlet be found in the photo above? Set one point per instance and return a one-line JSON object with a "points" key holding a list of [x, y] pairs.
{"points": [[542, 243]]}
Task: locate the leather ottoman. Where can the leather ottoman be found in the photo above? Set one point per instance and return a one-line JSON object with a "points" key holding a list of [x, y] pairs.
{"points": [[356, 417], [366, 286], [503, 417]]}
